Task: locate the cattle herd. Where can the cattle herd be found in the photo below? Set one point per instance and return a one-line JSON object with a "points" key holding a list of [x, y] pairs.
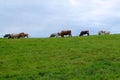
{"points": [[82, 33], [62, 33]]}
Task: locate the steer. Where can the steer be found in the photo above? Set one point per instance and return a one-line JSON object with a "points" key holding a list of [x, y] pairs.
{"points": [[65, 32], [84, 32]]}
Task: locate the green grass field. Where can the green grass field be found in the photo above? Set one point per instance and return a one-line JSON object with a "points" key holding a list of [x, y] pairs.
{"points": [[75, 58]]}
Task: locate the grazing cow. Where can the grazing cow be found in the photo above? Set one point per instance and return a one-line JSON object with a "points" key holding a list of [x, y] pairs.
{"points": [[65, 32], [54, 35], [103, 32], [21, 35], [84, 32]]}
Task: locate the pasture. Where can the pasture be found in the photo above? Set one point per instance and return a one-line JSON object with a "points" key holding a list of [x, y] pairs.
{"points": [[70, 58]]}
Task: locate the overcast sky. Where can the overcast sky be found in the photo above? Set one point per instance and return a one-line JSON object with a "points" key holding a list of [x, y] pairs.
{"points": [[40, 18]]}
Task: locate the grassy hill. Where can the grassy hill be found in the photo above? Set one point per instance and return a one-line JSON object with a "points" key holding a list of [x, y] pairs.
{"points": [[76, 58]]}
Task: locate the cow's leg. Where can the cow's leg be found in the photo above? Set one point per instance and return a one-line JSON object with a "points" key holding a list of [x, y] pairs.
{"points": [[62, 35], [88, 34], [70, 35]]}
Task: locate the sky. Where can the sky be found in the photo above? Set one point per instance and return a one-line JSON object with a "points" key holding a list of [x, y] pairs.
{"points": [[40, 18]]}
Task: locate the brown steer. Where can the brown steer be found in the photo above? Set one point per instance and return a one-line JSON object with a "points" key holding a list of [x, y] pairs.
{"points": [[65, 32]]}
